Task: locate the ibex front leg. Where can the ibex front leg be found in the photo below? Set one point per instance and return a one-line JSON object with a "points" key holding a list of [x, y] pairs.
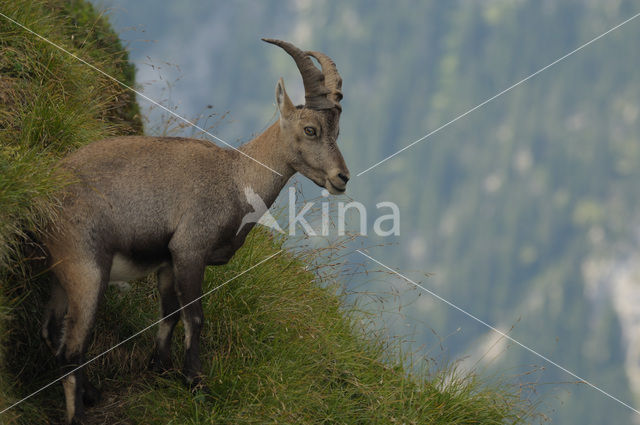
{"points": [[160, 361], [188, 272]]}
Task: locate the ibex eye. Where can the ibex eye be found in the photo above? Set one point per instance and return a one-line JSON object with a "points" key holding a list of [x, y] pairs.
{"points": [[310, 131]]}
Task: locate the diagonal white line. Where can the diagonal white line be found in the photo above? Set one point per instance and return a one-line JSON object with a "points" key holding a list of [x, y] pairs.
{"points": [[137, 92], [139, 332], [499, 94], [548, 360]]}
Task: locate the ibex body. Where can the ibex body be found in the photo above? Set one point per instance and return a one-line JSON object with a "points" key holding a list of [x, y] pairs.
{"points": [[173, 206]]}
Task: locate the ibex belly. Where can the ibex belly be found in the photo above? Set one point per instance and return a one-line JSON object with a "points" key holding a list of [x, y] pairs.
{"points": [[124, 269]]}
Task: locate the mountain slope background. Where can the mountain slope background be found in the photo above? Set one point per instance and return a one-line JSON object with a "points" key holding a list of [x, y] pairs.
{"points": [[282, 344], [525, 212]]}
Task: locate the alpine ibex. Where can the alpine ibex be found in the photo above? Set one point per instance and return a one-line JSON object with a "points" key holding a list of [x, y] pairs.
{"points": [[173, 206]]}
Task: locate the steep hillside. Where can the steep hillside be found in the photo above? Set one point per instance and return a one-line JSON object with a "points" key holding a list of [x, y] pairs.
{"points": [[527, 210], [280, 344]]}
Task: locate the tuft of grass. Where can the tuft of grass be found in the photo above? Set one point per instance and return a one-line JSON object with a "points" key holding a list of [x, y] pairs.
{"points": [[51, 104], [280, 344]]}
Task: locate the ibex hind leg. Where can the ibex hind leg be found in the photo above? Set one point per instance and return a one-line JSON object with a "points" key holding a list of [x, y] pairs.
{"points": [[52, 323], [83, 284], [53, 331]]}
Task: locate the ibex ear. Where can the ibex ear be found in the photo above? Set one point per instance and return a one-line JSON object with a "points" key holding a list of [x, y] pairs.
{"points": [[282, 100]]}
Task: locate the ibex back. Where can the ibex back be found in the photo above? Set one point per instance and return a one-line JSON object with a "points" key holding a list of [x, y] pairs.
{"points": [[173, 206]]}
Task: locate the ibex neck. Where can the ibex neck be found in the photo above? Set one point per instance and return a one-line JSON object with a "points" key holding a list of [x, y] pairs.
{"points": [[267, 151]]}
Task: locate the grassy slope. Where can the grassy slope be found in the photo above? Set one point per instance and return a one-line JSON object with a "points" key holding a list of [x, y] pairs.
{"points": [[279, 345]]}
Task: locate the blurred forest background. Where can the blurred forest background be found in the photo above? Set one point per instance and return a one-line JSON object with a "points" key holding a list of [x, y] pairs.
{"points": [[526, 213]]}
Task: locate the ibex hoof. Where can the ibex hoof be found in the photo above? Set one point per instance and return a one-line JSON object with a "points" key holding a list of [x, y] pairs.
{"points": [[159, 366], [77, 420], [197, 385], [91, 395]]}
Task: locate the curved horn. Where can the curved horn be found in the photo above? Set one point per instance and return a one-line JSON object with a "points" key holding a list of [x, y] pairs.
{"points": [[312, 78], [332, 79]]}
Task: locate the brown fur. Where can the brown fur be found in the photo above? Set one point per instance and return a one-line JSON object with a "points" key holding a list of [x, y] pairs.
{"points": [[171, 205]]}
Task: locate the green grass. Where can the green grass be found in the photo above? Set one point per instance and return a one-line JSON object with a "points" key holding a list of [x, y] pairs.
{"points": [[50, 104], [280, 344]]}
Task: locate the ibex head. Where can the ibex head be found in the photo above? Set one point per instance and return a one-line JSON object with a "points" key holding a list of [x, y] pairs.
{"points": [[310, 132]]}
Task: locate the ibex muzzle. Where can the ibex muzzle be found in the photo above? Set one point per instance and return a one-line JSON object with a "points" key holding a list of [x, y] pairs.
{"points": [[173, 206]]}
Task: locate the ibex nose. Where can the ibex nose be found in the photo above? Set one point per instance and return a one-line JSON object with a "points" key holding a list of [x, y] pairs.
{"points": [[337, 180]]}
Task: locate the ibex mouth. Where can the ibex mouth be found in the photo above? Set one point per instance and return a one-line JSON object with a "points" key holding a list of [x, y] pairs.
{"points": [[335, 190]]}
